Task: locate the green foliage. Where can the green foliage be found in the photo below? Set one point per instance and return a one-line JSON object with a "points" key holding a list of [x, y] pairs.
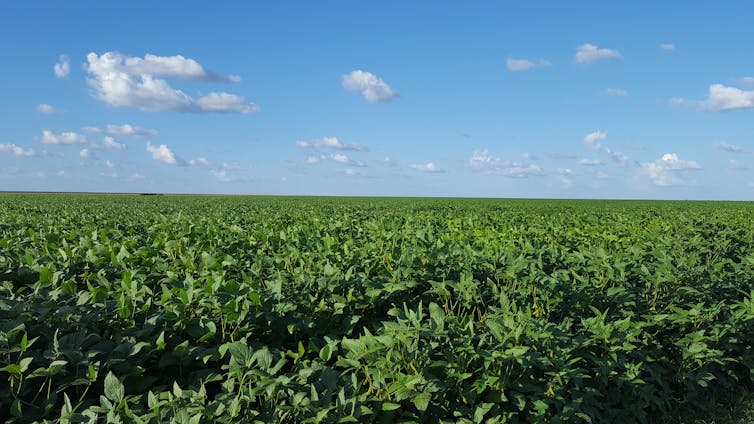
{"points": [[232, 309]]}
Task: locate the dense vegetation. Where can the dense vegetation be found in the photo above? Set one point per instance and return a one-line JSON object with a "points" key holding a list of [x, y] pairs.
{"points": [[242, 309]]}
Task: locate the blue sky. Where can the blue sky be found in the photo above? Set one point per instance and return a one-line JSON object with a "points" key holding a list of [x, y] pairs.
{"points": [[424, 98]]}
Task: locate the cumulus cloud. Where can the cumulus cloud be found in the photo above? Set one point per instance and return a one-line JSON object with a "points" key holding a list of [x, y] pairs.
{"points": [[314, 159], [594, 140], [329, 143], [345, 160], [617, 92], [110, 143], [161, 153], [121, 130], [426, 167], [727, 147], [46, 109], [121, 80], [85, 153], [12, 149], [517, 65], [67, 137], [721, 98], [566, 172], [486, 163], [664, 171], [588, 53], [63, 67], [371, 87], [590, 162], [110, 164]]}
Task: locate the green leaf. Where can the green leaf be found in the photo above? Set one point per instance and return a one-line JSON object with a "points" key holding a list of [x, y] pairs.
{"points": [[114, 389], [388, 406], [421, 401]]}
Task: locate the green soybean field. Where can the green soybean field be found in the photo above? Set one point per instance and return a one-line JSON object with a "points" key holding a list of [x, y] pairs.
{"points": [[194, 309]]}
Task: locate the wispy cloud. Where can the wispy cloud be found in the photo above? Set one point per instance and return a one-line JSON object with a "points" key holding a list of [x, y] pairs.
{"points": [[369, 85], [47, 109], [737, 166], [518, 65], [329, 143], [201, 162], [63, 67], [121, 130], [594, 140], [668, 47], [429, 167], [121, 80], [617, 92], [484, 162], [727, 147], [590, 162], [589, 53]]}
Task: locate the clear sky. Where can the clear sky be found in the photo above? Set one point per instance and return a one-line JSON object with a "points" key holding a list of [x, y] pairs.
{"points": [[639, 99]]}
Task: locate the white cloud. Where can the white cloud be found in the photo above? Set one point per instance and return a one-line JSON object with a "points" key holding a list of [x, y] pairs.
{"points": [[386, 161], [131, 81], [618, 92], [198, 162], [668, 47], [329, 143], [721, 98], [110, 143], [486, 163], [369, 85], [85, 153], [110, 164], [46, 109], [732, 148], [345, 160], [593, 137], [517, 65], [593, 140], [63, 67], [68, 137], [748, 81], [121, 130], [340, 158], [590, 162], [313, 159], [566, 172], [221, 175], [161, 153], [426, 167], [354, 173], [664, 171], [14, 150], [588, 53], [736, 165]]}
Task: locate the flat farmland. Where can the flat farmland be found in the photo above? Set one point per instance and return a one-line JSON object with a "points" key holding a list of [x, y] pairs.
{"points": [[304, 309]]}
